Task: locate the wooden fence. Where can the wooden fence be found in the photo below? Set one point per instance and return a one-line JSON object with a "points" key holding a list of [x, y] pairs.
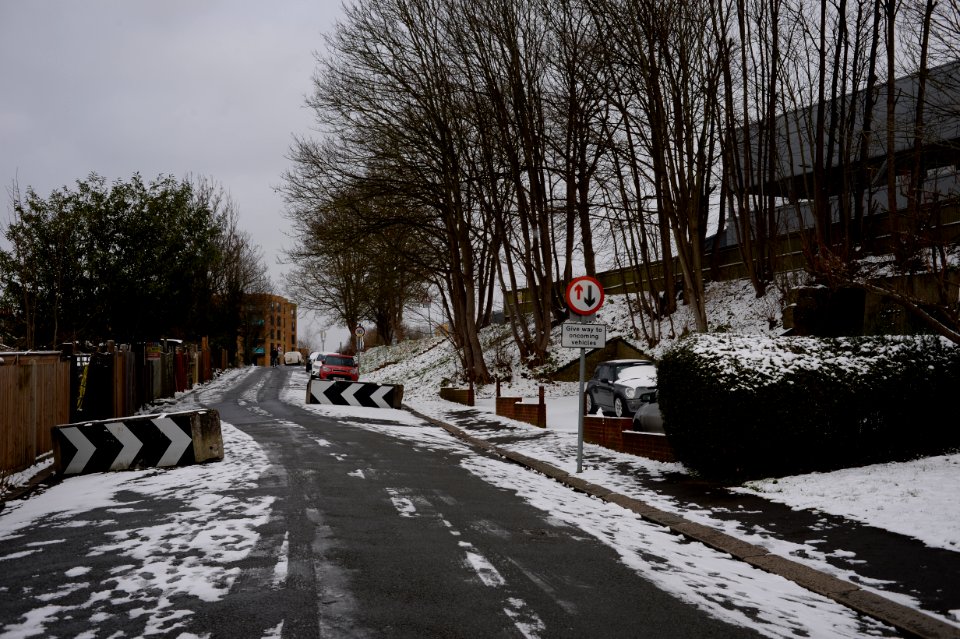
{"points": [[39, 390], [34, 396]]}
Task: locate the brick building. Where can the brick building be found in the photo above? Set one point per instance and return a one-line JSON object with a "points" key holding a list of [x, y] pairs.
{"points": [[269, 321]]}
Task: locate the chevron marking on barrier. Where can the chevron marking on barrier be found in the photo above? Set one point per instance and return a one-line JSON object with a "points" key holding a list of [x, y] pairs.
{"points": [[131, 445], [138, 442], [379, 397], [340, 393], [179, 441], [85, 450], [348, 394]]}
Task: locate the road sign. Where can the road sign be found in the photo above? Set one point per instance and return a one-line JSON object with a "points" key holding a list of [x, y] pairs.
{"points": [[171, 439], [584, 295], [360, 332], [340, 393], [577, 335]]}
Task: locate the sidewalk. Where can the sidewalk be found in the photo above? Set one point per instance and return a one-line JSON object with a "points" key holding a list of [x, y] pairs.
{"points": [[887, 576]]}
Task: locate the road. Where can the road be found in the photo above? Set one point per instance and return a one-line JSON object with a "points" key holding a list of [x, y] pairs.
{"points": [[361, 534], [420, 547]]}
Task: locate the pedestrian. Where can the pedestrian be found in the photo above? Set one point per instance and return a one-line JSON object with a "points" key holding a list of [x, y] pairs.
{"points": [[273, 356]]}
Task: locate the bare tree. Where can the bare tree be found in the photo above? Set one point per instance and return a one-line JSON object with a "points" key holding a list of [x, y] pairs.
{"points": [[674, 71], [393, 112]]}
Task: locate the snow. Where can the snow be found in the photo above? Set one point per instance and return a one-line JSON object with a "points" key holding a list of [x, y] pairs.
{"points": [[218, 519], [917, 499], [214, 524]]}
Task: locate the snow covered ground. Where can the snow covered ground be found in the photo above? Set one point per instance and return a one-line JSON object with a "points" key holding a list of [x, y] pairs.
{"points": [[918, 498]]}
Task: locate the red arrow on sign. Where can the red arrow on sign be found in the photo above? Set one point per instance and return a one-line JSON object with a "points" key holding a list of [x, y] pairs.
{"points": [[584, 295]]}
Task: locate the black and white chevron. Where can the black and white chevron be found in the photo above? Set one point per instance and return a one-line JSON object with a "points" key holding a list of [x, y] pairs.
{"points": [[340, 393], [131, 442]]}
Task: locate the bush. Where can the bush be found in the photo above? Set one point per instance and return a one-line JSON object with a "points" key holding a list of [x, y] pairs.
{"points": [[739, 406]]}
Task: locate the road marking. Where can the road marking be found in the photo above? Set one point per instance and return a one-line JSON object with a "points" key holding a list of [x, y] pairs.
{"points": [[403, 504], [487, 572], [523, 618]]}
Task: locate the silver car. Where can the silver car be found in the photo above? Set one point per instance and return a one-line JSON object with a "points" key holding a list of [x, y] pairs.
{"points": [[648, 418], [617, 384]]}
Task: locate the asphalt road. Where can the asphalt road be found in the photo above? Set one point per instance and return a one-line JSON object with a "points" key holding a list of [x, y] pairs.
{"points": [[382, 537], [423, 548]]}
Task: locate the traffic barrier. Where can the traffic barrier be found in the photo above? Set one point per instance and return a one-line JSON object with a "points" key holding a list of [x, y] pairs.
{"points": [[340, 393], [169, 439]]}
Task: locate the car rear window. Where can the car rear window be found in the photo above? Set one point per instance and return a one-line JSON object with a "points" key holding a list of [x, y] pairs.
{"points": [[338, 360]]}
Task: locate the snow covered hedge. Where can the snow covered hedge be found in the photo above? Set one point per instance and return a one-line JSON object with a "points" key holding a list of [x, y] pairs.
{"points": [[751, 406]]}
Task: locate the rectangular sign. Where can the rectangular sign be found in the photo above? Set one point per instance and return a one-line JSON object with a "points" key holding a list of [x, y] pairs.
{"points": [[576, 335]]}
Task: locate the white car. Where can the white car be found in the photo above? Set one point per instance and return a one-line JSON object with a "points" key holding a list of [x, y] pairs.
{"points": [[314, 361], [292, 358]]}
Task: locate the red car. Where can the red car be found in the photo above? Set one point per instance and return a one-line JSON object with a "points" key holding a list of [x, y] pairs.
{"points": [[337, 366]]}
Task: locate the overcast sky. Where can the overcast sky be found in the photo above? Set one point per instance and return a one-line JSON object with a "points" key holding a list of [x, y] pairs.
{"points": [[213, 88]]}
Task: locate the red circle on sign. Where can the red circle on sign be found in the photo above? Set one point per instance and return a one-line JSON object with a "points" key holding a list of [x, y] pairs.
{"points": [[584, 295]]}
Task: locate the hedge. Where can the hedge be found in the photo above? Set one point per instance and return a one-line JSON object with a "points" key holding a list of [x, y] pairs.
{"points": [[741, 406]]}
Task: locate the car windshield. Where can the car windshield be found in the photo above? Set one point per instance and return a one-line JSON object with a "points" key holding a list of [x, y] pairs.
{"points": [[338, 360], [645, 374]]}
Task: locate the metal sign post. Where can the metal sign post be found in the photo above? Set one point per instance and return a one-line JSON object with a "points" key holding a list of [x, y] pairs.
{"points": [[584, 297], [580, 412]]}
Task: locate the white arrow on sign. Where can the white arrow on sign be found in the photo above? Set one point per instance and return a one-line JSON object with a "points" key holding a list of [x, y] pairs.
{"points": [[131, 445], [85, 450], [179, 441], [349, 392], [379, 395]]}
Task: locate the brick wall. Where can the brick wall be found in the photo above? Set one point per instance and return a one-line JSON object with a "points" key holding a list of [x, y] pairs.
{"points": [[650, 445], [605, 431], [614, 433], [514, 408], [505, 405], [458, 395]]}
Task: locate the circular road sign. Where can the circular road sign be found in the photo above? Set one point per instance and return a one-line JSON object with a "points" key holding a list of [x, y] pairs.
{"points": [[584, 295], [360, 331]]}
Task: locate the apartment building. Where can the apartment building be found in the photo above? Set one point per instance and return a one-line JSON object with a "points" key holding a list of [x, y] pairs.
{"points": [[269, 321]]}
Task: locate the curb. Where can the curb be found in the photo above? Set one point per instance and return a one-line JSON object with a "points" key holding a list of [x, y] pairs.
{"points": [[907, 620]]}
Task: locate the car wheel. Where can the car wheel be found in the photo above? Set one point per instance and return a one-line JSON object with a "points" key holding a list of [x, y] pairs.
{"points": [[618, 408], [590, 405]]}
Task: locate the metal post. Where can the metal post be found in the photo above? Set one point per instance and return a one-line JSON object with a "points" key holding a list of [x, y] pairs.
{"points": [[583, 369]]}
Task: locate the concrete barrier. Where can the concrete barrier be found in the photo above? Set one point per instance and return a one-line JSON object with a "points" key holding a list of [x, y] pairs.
{"points": [[169, 439], [368, 394]]}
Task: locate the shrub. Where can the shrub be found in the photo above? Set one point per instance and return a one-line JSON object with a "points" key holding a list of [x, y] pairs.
{"points": [[744, 406]]}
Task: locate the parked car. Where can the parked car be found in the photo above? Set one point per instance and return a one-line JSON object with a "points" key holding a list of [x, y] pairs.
{"points": [[292, 358], [616, 386], [648, 418], [312, 366], [337, 366]]}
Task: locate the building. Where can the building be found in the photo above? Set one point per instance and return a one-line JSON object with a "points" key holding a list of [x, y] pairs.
{"points": [[269, 321]]}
